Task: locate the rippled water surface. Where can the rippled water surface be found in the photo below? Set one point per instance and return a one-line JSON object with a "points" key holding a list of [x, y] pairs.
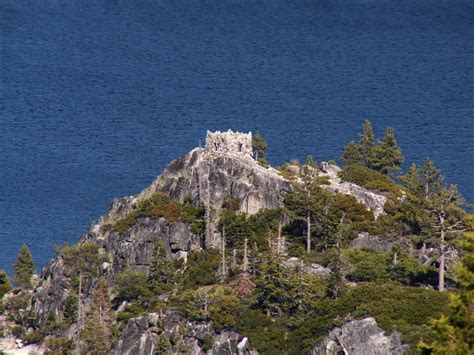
{"points": [[96, 97]]}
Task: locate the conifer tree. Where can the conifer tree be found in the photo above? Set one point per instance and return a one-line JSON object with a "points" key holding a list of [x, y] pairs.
{"points": [[352, 154], [259, 148], [24, 268], [411, 181], [447, 222], [307, 203], [271, 288], [5, 285], [432, 179], [367, 141], [162, 275], [336, 282], [305, 290], [95, 335], [455, 331], [387, 155]]}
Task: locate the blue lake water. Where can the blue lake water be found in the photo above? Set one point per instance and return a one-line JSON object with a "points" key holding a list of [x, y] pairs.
{"points": [[97, 96]]}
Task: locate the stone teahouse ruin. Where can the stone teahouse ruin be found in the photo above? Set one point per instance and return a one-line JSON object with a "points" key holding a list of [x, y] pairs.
{"points": [[229, 143]]}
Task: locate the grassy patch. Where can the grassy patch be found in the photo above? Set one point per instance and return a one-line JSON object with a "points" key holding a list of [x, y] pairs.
{"points": [[159, 205]]}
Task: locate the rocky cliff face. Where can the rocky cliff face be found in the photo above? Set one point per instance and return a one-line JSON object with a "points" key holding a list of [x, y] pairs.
{"points": [[359, 337], [144, 335], [208, 175], [374, 201]]}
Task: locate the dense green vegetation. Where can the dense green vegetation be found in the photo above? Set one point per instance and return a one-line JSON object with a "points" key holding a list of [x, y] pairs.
{"points": [[259, 148], [159, 205], [24, 267], [248, 284]]}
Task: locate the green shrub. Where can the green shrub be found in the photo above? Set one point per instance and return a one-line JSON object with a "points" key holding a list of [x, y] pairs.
{"points": [[131, 310], [59, 345], [159, 205], [70, 308], [267, 335], [132, 285], [407, 310], [36, 336], [216, 303], [370, 179], [373, 266], [201, 268], [5, 284], [367, 265], [206, 343], [81, 259], [18, 331]]}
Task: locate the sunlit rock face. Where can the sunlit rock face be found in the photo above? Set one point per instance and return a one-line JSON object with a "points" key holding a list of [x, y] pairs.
{"points": [[360, 337], [208, 175], [374, 201]]}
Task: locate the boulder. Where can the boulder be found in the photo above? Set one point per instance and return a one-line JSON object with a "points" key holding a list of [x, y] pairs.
{"points": [[360, 337], [142, 335]]}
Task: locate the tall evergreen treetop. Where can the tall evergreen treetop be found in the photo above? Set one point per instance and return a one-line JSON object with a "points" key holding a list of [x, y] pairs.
{"points": [[387, 155], [432, 179], [352, 154], [5, 285], [259, 148], [455, 331], [24, 267], [367, 141], [411, 181]]}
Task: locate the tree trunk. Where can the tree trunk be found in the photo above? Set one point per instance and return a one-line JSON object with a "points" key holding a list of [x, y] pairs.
{"points": [[224, 265], [279, 248], [245, 265], [441, 256], [79, 314], [308, 233], [234, 260]]}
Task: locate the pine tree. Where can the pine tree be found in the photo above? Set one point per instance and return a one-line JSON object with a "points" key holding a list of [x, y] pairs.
{"points": [[447, 222], [367, 141], [387, 155], [271, 289], [432, 179], [305, 290], [455, 331], [162, 275], [5, 285], [259, 148], [307, 203], [336, 282], [95, 335], [24, 268], [411, 181], [352, 154]]}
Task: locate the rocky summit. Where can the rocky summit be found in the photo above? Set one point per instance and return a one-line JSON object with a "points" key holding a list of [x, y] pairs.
{"points": [[210, 258]]}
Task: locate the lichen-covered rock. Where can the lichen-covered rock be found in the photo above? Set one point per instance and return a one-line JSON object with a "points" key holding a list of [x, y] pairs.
{"points": [[210, 176], [374, 201], [134, 248], [365, 240], [312, 268], [360, 337], [168, 333]]}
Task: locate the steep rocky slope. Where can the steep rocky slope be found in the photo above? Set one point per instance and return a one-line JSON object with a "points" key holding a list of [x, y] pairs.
{"points": [[207, 175]]}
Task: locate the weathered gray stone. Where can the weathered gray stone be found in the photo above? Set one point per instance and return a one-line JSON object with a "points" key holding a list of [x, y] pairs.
{"points": [[365, 240], [230, 143], [360, 337], [312, 268], [141, 334], [374, 201], [210, 177]]}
